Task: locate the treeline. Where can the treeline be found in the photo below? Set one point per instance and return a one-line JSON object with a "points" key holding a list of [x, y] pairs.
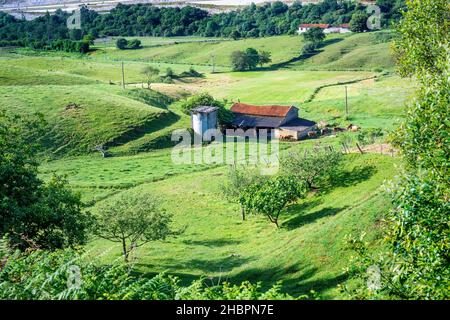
{"points": [[48, 32], [146, 20], [252, 21]]}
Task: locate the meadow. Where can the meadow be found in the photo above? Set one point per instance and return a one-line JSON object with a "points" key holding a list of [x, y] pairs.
{"points": [[308, 252]]}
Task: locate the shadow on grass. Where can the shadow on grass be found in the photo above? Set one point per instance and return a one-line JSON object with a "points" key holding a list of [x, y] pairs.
{"points": [[212, 243], [347, 178], [204, 266], [298, 279], [304, 56], [302, 219], [153, 125]]}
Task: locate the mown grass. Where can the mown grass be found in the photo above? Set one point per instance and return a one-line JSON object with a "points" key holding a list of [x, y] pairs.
{"points": [[283, 48], [102, 116], [307, 253], [363, 51]]}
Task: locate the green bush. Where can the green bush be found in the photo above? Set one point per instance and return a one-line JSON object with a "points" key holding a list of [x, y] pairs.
{"points": [[204, 99]]}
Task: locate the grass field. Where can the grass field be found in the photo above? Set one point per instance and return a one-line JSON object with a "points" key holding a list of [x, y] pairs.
{"points": [[283, 48], [308, 252]]}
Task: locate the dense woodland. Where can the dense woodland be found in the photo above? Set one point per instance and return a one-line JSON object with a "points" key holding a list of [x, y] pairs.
{"points": [[146, 20]]}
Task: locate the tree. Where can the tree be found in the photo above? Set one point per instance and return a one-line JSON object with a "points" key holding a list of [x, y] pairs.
{"points": [[121, 43], [245, 60], [271, 196], [224, 116], [150, 73], [239, 61], [315, 167], [238, 179], [264, 57], [34, 213], [415, 263], [358, 23], [133, 220], [134, 44], [252, 58], [314, 35], [235, 34], [308, 48]]}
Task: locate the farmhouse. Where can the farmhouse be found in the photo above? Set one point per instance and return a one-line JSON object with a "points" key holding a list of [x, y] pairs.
{"points": [[343, 28], [283, 120]]}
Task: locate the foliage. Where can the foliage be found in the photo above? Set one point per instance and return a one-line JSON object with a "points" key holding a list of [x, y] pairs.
{"points": [[308, 48], [34, 213], [249, 59], [133, 219], [239, 178], [415, 266], [358, 23], [314, 35], [147, 20], [369, 136], [74, 275], [264, 57], [123, 44], [204, 99], [270, 197], [150, 73], [315, 167]]}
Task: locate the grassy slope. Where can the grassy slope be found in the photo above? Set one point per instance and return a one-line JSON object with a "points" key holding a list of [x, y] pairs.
{"points": [[308, 252], [283, 48], [103, 115], [364, 51]]}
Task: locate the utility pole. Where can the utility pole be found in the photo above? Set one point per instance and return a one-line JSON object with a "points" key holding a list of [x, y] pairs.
{"points": [[346, 103], [123, 78]]}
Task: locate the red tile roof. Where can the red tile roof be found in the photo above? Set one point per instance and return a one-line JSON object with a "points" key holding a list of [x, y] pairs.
{"points": [[345, 25], [269, 111], [315, 25]]}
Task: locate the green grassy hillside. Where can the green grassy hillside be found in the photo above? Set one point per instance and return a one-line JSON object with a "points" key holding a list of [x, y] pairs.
{"points": [[363, 51], [102, 116], [307, 253], [283, 48]]}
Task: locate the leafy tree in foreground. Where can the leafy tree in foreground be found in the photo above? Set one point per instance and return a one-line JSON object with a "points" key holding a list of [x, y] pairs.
{"points": [[313, 167], [34, 213], [272, 196], [238, 180], [133, 220], [416, 264]]}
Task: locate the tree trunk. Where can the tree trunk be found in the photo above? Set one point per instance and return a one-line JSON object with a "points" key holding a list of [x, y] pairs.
{"points": [[243, 213], [124, 250]]}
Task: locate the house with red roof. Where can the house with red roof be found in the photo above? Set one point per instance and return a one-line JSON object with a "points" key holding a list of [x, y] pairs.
{"points": [[283, 121]]}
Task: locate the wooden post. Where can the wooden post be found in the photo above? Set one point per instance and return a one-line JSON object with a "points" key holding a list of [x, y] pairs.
{"points": [[123, 78], [359, 148], [346, 103]]}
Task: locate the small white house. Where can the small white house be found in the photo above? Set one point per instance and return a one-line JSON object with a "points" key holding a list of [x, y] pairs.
{"points": [[343, 28]]}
